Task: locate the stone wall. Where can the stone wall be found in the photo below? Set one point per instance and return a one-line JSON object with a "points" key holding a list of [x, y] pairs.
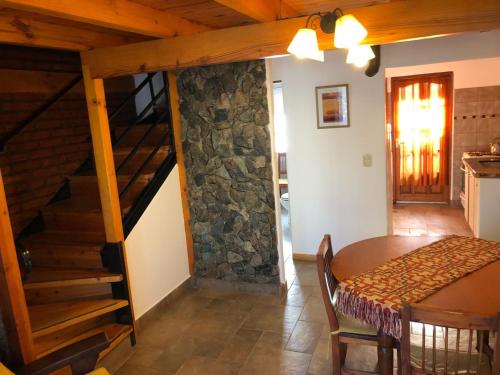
{"points": [[227, 151]]}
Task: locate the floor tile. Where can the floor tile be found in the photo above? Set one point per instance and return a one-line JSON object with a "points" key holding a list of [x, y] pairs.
{"points": [[429, 220], [276, 362], [273, 340], [321, 362], [304, 337], [361, 357], [239, 347], [314, 311], [207, 366], [281, 318], [129, 369]]}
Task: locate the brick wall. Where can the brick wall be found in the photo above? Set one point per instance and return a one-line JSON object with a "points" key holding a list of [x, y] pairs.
{"points": [[37, 160]]}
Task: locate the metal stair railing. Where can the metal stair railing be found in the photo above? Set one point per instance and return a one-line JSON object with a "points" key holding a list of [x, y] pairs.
{"points": [[39, 111]]}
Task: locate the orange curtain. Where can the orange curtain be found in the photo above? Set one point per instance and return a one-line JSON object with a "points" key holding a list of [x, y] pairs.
{"points": [[421, 116]]}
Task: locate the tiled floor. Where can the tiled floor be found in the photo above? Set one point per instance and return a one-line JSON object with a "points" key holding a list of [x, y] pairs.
{"points": [[213, 332], [429, 219]]}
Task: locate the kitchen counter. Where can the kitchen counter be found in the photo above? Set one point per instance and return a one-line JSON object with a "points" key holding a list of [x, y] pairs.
{"points": [[487, 167]]}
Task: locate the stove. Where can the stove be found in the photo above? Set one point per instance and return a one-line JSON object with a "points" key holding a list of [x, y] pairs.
{"points": [[477, 154], [469, 155]]}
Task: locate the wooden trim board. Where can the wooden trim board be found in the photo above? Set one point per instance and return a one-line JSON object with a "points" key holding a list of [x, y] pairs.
{"points": [[105, 167], [177, 128], [304, 257], [121, 15], [12, 298], [386, 23]]}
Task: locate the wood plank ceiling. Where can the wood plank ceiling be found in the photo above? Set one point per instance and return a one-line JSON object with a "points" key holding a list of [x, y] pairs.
{"points": [[96, 23]]}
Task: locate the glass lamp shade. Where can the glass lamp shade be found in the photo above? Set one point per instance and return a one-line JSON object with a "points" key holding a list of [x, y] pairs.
{"points": [[305, 45], [360, 55], [348, 32]]}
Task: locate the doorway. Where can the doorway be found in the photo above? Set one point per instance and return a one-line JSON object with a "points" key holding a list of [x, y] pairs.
{"points": [[280, 140], [422, 108]]}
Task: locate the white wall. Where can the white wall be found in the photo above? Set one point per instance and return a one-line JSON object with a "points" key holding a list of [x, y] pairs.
{"points": [[156, 248], [466, 73], [330, 190]]}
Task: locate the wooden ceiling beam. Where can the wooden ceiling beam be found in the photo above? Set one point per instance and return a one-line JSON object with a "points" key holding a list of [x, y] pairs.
{"points": [[386, 23], [18, 29], [120, 15], [260, 10]]}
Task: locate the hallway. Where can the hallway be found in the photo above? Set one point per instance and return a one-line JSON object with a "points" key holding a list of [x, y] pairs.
{"points": [[429, 219]]}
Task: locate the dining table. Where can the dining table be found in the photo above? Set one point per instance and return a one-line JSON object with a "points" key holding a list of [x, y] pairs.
{"points": [[477, 292]]}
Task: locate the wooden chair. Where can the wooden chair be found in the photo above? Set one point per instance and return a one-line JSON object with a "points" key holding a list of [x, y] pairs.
{"points": [[449, 348], [282, 172], [344, 330]]}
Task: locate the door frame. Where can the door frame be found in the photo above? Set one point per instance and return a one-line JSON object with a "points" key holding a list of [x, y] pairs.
{"points": [[448, 77]]}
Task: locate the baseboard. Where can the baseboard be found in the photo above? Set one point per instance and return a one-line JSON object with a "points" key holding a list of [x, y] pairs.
{"points": [[304, 257], [235, 286], [169, 299]]}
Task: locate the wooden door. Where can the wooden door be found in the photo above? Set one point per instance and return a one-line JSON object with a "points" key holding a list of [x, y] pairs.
{"points": [[422, 108]]}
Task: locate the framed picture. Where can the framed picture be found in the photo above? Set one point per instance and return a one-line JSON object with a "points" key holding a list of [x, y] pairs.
{"points": [[332, 104]]}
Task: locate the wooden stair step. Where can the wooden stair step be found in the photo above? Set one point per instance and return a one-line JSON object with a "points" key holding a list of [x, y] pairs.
{"points": [[66, 255], [144, 150], [68, 215], [123, 177], [51, 343], [89, 177], [52, 317], [139, 158], [133, 165], [83, 221], [87, 185], [67, 238], [75, 205], [51, 277], [131, 140], [119, 334], [57, 257], [79, 205], [140, 130]]}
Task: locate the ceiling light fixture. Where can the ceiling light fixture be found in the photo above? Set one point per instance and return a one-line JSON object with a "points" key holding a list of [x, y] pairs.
{"points": [[360, 55], [349, 32], [305, 45]]}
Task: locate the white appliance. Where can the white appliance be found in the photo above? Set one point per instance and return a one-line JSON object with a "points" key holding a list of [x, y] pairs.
{"points": [[468, 155]]}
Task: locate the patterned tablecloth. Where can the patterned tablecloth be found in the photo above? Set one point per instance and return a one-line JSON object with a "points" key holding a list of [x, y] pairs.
{"points": [[376, 296]]}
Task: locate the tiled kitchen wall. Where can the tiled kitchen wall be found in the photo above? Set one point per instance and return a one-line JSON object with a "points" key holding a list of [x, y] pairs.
{"points": [[476, 123]]}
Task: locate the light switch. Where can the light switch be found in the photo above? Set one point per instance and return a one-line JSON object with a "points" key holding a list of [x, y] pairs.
{"points": [[367, 160]]}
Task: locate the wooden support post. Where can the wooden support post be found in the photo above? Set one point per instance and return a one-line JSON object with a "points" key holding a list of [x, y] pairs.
{"points": [[105, 166], [176, 126], [12, 300]]}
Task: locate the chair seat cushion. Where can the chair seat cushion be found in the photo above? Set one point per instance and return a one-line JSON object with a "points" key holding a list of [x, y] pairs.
{"points": [[463, 359], [355, 326]]}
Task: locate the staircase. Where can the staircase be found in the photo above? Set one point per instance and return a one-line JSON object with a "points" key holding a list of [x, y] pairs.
{"points": [[76, 285]]}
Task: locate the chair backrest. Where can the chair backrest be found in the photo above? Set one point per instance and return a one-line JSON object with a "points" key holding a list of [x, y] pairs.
{"points": [[445, 351], [327, 280]]}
